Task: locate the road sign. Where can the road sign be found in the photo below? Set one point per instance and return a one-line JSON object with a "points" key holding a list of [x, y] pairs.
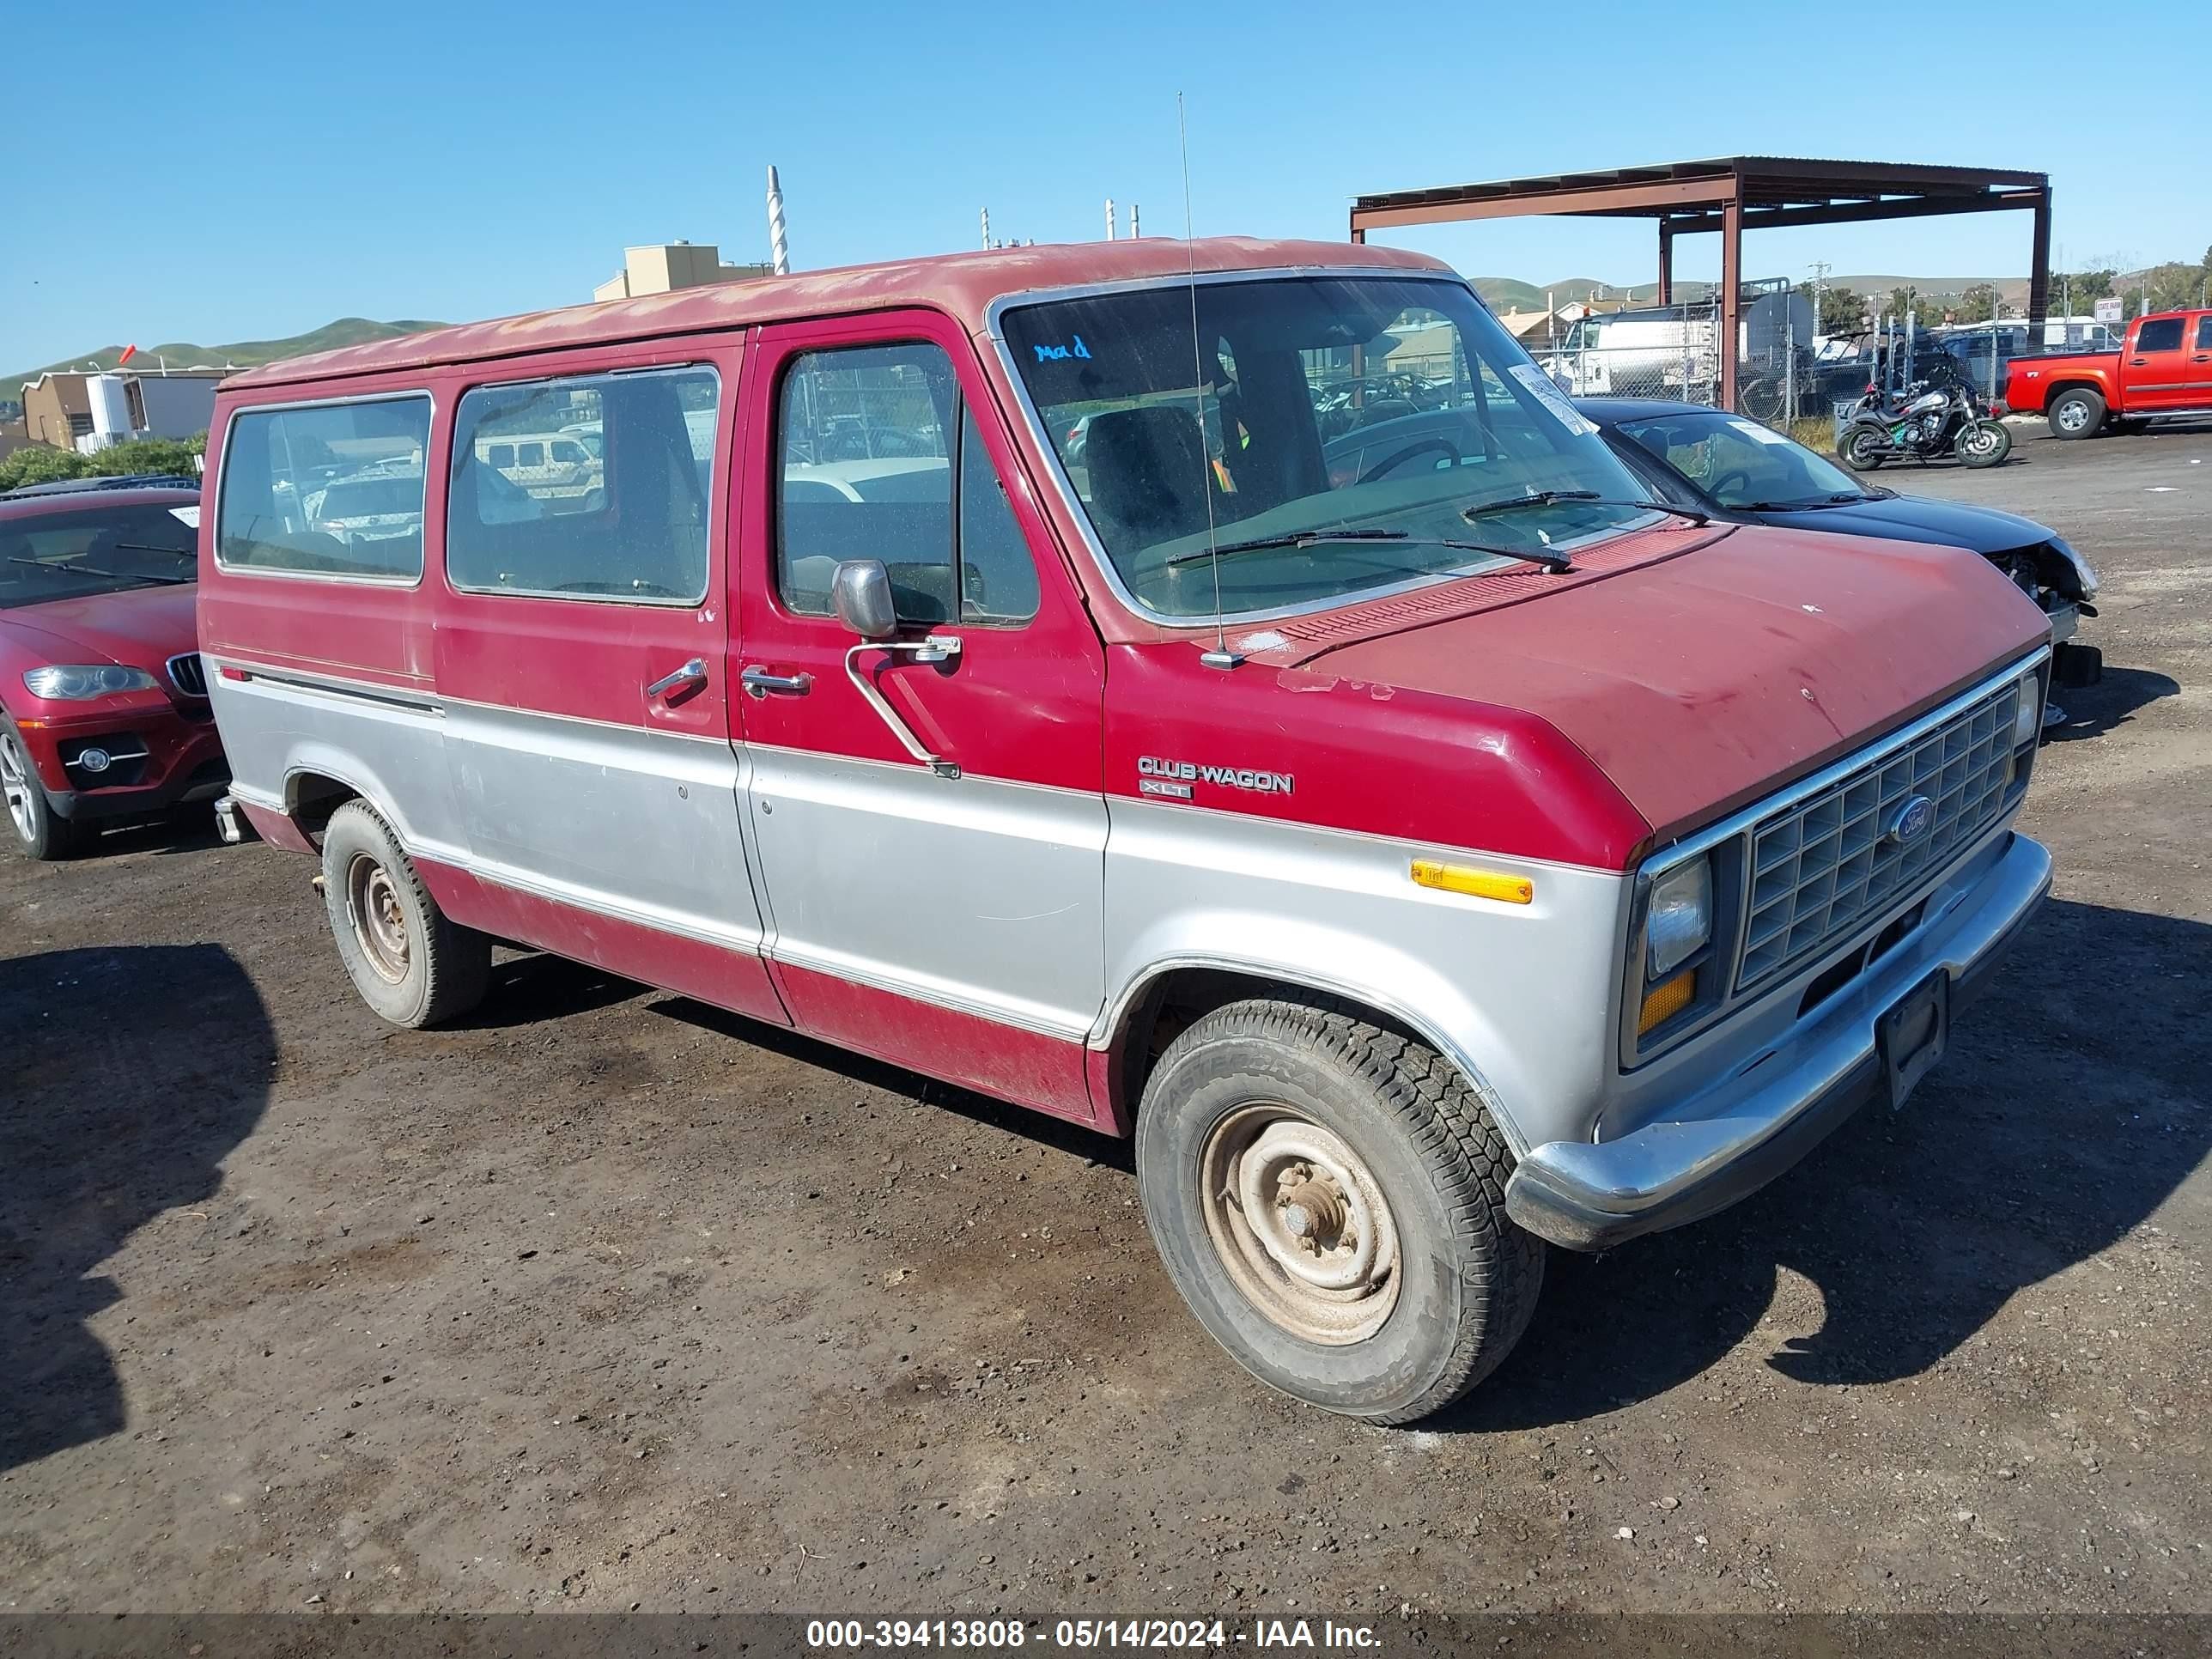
{"points": [[2108, 311]]}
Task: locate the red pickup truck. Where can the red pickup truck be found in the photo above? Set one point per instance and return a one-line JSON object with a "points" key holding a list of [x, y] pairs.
{"points": [[2162, 370]]}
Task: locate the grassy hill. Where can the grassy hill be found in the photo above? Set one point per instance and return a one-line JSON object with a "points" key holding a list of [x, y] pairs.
{"points": [[244, 354]]}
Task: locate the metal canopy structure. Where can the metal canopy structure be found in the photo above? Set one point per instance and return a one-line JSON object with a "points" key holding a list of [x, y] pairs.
{"points": [[1730, 195]]}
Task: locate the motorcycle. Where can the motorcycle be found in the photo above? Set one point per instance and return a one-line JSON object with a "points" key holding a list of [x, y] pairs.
{"points": [[1932, 418]]}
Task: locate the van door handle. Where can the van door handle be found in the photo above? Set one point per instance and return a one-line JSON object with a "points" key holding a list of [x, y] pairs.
{"points": [[692, 674], [759, 682]]}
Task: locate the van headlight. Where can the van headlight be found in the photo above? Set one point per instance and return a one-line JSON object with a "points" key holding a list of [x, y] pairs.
{"points": [[2026, 711], [1678, 921], [81, 683]]}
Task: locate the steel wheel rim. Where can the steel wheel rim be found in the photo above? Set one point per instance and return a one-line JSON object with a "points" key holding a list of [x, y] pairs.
{"points": [[1300, 1224], [379, 921], [15, 783], [1980, 440]]}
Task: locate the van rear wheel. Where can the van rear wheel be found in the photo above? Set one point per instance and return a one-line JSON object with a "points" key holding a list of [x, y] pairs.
{"points": [[410, 963], [1329, 1197]]}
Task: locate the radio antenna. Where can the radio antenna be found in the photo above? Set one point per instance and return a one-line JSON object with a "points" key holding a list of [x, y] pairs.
{"points": [[1221, 656]]}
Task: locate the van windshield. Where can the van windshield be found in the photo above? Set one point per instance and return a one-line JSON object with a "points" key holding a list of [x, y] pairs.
{"points": [[1301, 406]]}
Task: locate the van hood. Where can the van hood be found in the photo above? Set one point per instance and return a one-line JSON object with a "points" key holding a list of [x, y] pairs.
{"points": [[138, 626], [1699, 682]]}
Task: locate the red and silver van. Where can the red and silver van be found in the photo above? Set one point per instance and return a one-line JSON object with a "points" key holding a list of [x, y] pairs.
{"points": [[1223, 695]]}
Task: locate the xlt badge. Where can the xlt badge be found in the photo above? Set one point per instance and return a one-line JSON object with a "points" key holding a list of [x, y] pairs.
{"points": [[1174, 778]]}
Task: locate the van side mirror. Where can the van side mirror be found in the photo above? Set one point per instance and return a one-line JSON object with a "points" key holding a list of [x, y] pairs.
{"points": [[861, 593]]}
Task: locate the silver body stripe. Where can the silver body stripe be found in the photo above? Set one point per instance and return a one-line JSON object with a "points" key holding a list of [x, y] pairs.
{"points": [[1517, 995], [628, 821], [968, 892]]}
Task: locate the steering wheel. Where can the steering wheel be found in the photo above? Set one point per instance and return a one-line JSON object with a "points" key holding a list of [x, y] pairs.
{"points": [[1445, 446], [1718, 488]]}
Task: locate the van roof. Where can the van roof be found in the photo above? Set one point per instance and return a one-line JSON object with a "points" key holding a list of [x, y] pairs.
{"points": [[963, 284]]}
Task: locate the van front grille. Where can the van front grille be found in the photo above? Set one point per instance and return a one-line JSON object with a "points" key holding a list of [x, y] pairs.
{"points": [[1824, 866]]}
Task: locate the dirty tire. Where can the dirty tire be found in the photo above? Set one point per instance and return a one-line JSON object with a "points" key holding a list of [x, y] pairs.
{"points": [[1468, 1279], [30, 818], [439, 969], [2079, 413]]}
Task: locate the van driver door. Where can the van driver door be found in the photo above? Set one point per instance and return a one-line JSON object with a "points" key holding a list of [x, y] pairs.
{"points": [[928, 808]]}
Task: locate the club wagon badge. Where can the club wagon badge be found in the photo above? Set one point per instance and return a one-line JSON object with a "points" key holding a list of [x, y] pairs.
{"points": [[1173, 779]]}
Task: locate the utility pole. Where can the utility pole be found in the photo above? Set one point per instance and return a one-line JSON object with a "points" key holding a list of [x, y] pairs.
{"points": [[1820, 269], [987, 228], [1109, 218]]}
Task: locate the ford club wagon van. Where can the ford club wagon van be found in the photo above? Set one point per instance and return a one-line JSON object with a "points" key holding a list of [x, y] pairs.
{"points": [[1422, 861]]}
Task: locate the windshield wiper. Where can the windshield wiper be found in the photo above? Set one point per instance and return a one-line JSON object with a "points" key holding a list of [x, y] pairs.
{"points": [[1802, 507], [88, 570], [150, 547], [1555, 562], [1584, 497], [1289, 539]]}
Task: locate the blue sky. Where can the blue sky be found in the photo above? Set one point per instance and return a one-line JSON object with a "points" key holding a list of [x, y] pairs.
{"points": [[244, 170]]}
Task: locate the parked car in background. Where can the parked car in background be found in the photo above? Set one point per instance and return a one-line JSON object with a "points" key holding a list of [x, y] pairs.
{"points": [[1986, 351], [2162, 370], [1421, 859], [1746, 473], [103, 707]]}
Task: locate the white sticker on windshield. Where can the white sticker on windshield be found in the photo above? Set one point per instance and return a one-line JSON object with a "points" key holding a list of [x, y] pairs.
{"points": [[1549, 395], [1756, 433], [187, 516]]}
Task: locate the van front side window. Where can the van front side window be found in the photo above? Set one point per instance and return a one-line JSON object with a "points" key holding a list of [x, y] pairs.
{"points": [[866, 436], [334, 489], [589, 486]]}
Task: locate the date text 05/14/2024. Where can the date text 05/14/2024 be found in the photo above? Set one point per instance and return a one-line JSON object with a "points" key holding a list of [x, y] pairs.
{"points": [[994, 1635]]}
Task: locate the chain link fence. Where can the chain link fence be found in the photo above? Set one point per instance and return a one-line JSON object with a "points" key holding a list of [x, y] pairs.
{"points": [[1782, 379], [1675, 357]]}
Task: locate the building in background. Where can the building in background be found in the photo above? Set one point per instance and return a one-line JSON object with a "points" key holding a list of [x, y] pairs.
{"points": [[666, 266], [87, 412]]}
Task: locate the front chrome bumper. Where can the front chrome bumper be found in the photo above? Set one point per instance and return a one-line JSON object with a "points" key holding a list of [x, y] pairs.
{"points": [[1704, 1154]]}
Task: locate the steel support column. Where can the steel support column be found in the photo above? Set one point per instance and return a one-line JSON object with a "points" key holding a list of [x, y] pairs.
{"points": [[2038, 271], [1666, 262], [1731, 294]]}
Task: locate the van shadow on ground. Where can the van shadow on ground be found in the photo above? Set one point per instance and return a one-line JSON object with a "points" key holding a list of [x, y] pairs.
{"points": [[129, 1074], [2094, 710], [2070, 1106]]}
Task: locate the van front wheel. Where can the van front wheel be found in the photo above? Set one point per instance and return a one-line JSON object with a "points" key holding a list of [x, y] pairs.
{"points": [[1329, 1197], [409, 962]]}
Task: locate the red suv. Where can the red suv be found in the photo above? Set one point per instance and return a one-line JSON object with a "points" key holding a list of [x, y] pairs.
{"points": [[103, 709]]}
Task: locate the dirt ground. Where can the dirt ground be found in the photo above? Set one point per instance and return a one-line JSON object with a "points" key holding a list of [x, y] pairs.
{"points": [[608, 1300]]}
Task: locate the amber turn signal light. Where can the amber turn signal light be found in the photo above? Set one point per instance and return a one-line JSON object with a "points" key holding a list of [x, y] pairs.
{"points": [[1666, 999], [1481, 884]]}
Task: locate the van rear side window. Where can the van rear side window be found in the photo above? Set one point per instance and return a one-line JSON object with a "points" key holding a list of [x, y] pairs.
{"points": [[586, 487], [333, 490]]}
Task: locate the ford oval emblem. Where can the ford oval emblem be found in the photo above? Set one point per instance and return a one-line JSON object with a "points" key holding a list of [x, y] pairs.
{"points": [[1911, 820]]}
